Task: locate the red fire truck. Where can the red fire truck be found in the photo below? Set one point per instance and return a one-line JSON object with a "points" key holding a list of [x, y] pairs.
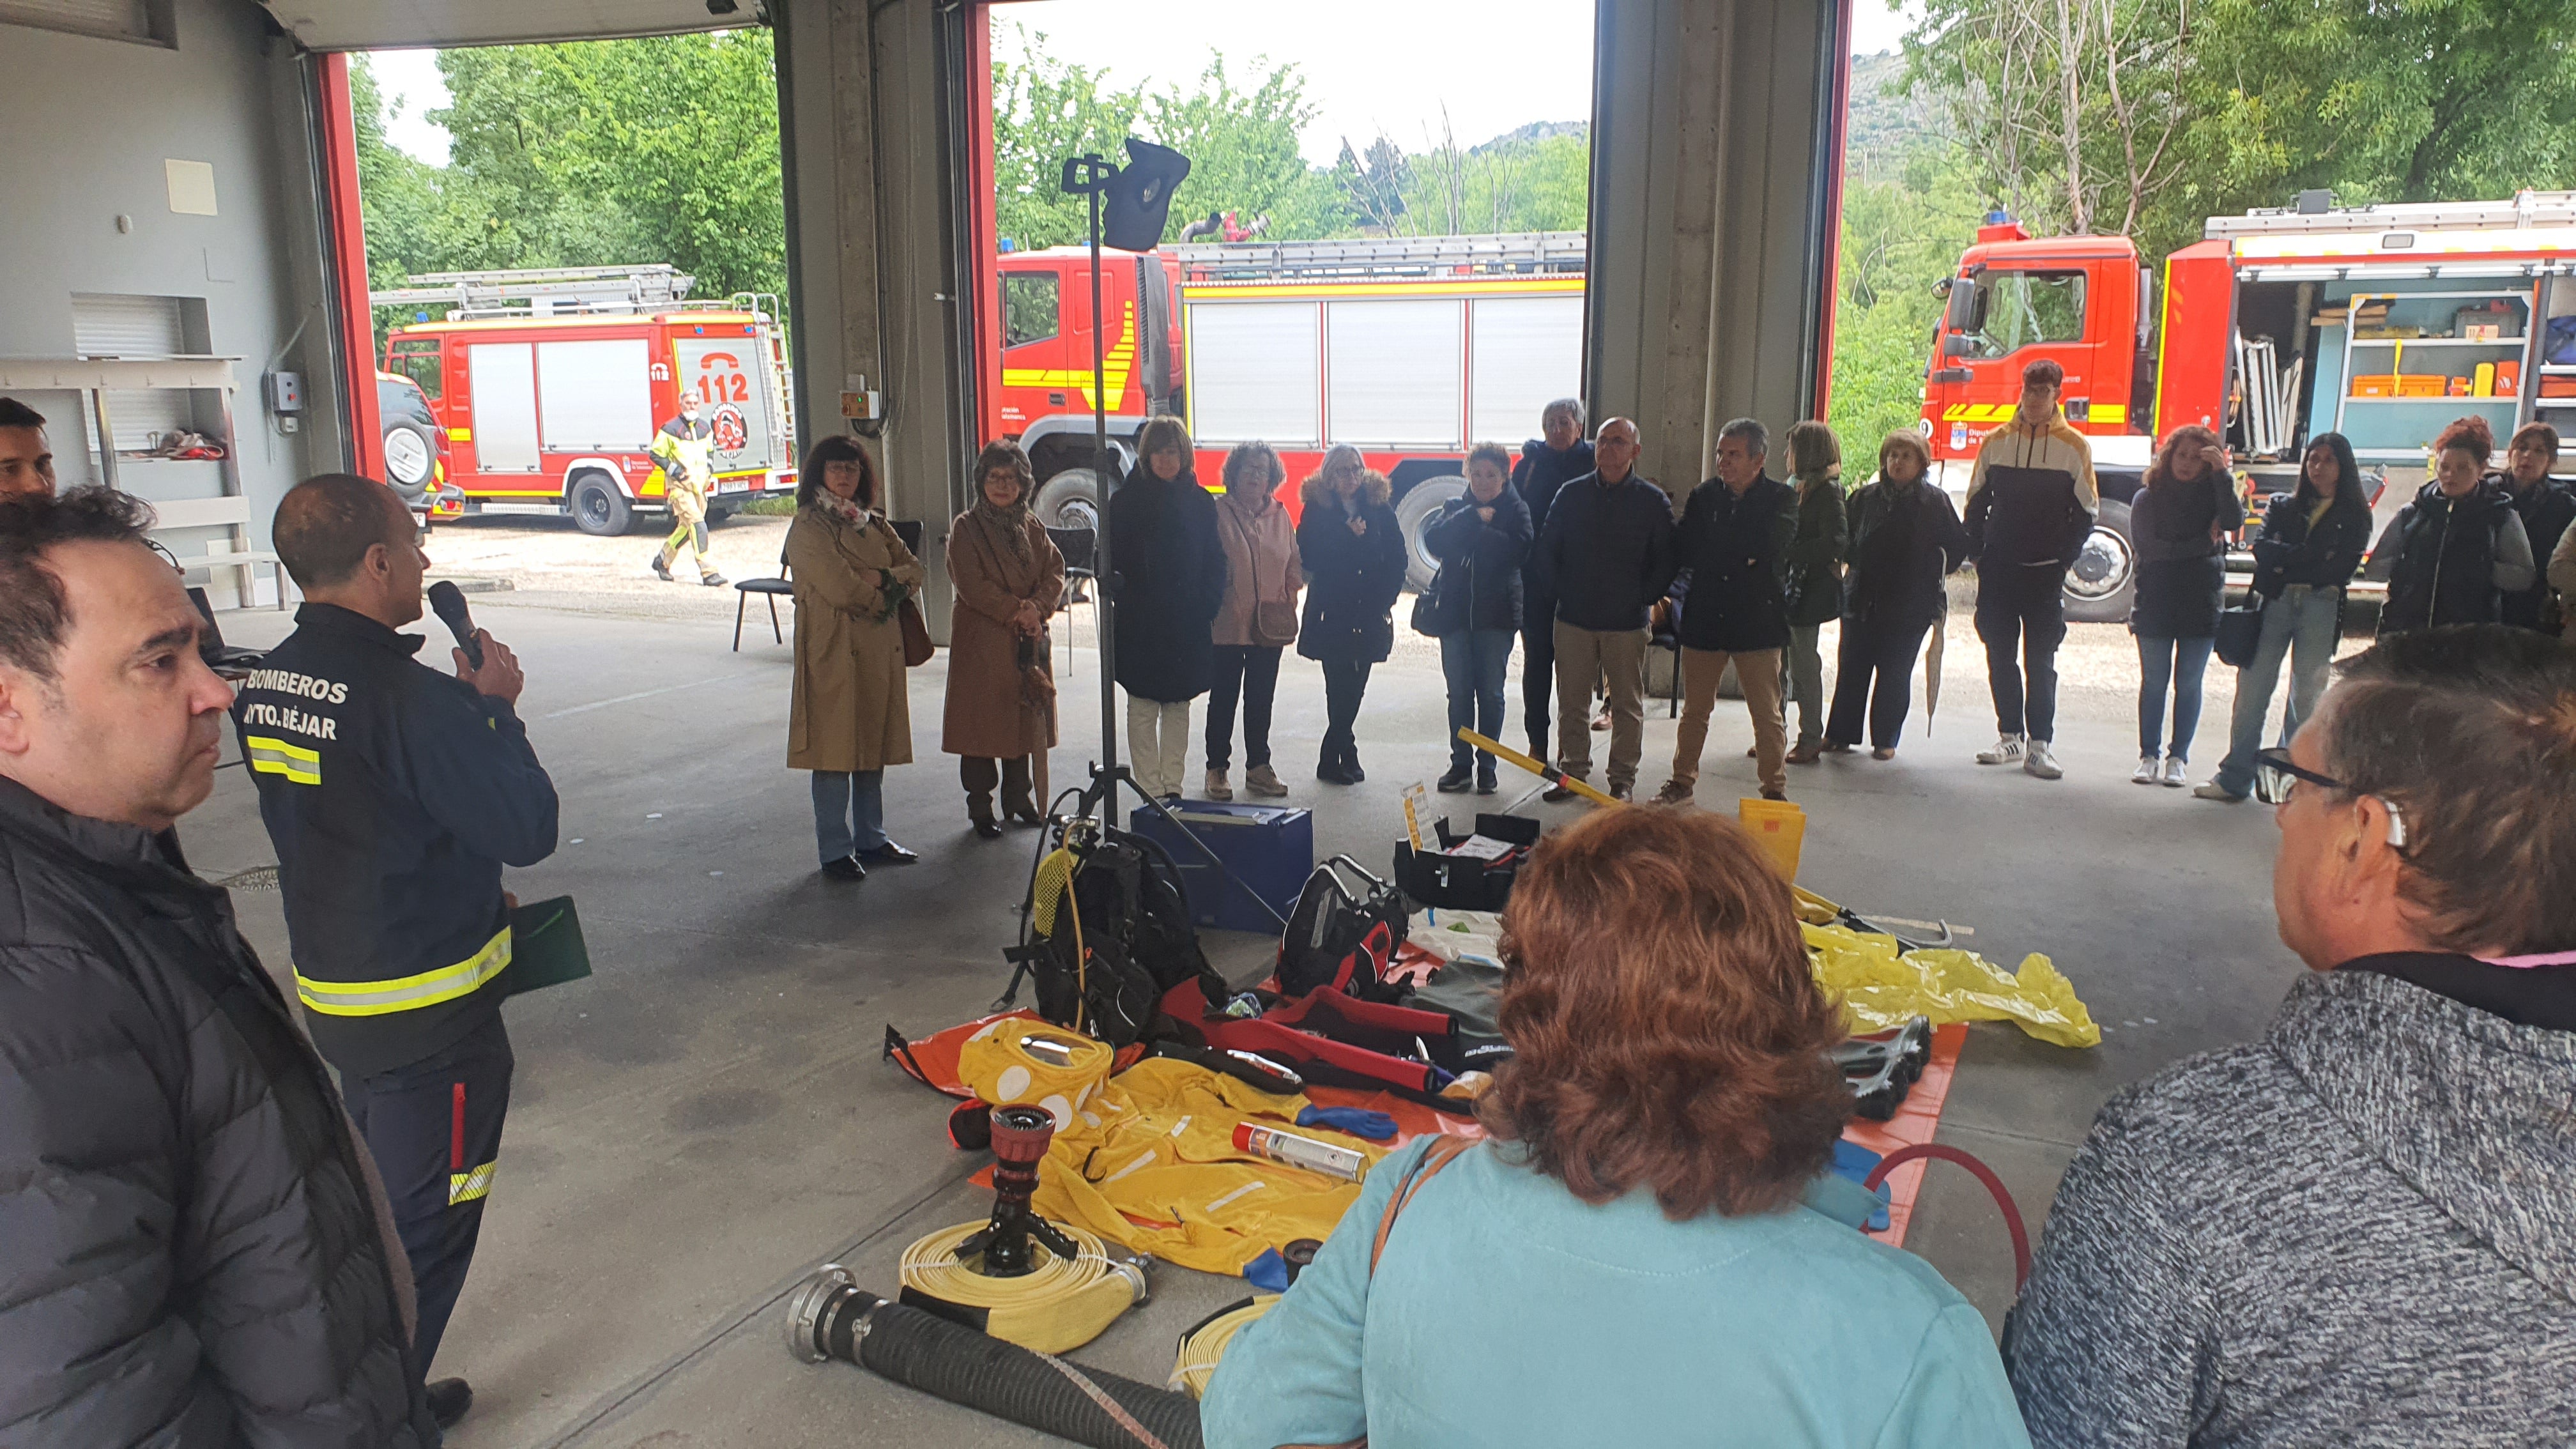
{"points": [[1412, 349], [2379, 322], [549, 385]]}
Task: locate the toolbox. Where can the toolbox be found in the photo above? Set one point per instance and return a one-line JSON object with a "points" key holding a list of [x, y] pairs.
{"points": [[1465, 883], [1270, 848]]}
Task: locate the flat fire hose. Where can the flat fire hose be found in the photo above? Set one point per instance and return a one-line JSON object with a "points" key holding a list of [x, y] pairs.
{"points": [[1058, 1305], [1545, 772], [1205, 1344]]}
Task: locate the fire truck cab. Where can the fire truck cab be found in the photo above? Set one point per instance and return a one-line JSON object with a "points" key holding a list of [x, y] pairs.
{"points": [[2382, 323], [1412, 349], [548, 387]]}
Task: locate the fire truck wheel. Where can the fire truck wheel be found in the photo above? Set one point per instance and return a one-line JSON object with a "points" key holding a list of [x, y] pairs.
{"points": [[2104, 580], [598, 506], [1413, 514], [1070, 499], [717, 514]]}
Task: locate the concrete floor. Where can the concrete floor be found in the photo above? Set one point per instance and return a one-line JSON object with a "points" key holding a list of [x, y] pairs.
{"points": [[707, 1118]]}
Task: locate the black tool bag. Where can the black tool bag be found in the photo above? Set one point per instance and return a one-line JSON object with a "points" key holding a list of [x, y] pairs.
{"points": [[1330, 941], [1122, 939]]}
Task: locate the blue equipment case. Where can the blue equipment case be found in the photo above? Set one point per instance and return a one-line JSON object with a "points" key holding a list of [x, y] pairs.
{"points": [[1270, 848]]}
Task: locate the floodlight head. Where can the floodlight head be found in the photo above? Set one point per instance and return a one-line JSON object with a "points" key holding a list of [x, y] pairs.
{"points": [[1137, 202]]}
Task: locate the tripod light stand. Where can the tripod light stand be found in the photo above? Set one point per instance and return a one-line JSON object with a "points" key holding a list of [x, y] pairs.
{"points": [[1136, 200]]}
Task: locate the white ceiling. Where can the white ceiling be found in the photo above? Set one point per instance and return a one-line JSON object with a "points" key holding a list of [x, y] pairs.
{"points": [[391, 24]]}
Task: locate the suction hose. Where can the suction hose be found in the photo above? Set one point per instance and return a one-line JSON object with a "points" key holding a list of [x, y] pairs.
{"points": [[829, 1316]]}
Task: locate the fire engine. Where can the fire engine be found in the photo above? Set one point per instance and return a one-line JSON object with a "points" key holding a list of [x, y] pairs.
{"points": [[548, 385], [1412, 349], [2379, 322]]}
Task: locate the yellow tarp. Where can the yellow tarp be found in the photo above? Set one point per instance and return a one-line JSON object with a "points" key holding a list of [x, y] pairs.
{"points": [[1881, 988]]}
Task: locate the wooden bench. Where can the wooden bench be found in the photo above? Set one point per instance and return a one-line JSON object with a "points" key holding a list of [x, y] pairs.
{"points": [[228, 512]]}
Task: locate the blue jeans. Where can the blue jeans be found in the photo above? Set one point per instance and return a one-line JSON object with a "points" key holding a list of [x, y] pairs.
{"points": [[849, 812], [2176, 664], [2303, 625], [1474, 662]]}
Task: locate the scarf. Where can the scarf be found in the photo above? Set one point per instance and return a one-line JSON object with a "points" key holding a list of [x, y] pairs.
{"points": [[832, 505], [1010, 525]]}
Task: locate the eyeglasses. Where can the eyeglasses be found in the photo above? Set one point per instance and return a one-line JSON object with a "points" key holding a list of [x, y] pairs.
{"points": [[2279, 760]]}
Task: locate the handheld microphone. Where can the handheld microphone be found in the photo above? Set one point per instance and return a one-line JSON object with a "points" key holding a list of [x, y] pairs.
{"points": [[448, 602]]}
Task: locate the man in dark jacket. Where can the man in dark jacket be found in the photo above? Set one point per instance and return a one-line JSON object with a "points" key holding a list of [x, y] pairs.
{"points": [[2547, 508], [193, 1251], [1605, 555], [394, 795], [1546, 465], [1733, 545], [2360, 1229]]}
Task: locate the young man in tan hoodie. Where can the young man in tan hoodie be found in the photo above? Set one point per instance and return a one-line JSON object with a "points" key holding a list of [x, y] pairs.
{"points": [[2031, 503]]}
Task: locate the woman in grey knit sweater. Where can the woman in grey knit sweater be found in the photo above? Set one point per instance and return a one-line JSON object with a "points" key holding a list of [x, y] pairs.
{"points": [[2361, 1229]]}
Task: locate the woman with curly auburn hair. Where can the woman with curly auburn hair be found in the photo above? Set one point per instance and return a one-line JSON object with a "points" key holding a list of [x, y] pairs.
{"points": [[1649, 1250]]}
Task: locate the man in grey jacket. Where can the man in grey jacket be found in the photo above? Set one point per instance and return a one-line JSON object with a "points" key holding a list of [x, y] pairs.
{"points": [[194, 1253], [2361, 1229]]}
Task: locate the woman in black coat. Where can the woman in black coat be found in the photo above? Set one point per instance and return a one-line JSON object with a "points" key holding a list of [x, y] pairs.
{"points": [[1170, 568], [1353, 553], [1905, 537], [2179, 523], [1474, 606]]}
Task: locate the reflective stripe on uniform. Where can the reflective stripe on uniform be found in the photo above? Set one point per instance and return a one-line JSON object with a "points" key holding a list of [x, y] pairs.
{"points": [[465, 1187], [408, 993], [271, 756]]}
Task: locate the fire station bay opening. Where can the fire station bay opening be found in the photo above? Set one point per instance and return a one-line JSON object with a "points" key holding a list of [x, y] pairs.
{"points": [[428, 263]]}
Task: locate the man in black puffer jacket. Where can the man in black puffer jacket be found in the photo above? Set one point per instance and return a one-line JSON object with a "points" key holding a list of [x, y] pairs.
{"points": [[1546, 465], [193, 1251]]}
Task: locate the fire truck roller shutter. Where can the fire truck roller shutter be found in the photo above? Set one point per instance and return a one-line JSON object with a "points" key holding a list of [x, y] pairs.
{"points": [[1523, 353], [1256, 371], [1397, 378], [595, 395]]}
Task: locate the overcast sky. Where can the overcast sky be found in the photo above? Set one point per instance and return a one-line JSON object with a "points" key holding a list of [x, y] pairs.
{"points": [[1371, 65]]}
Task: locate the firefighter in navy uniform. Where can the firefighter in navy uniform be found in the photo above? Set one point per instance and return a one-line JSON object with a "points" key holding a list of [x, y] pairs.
{"points": [[394, 795]]}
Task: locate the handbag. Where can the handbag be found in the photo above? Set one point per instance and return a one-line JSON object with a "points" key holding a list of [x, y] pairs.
{"points": [[1274, 621], [2240, 632], [917, 647]]}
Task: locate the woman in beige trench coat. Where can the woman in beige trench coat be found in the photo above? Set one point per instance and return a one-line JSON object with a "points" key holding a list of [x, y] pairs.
{"points": [[1001, 689], [849, 717]]}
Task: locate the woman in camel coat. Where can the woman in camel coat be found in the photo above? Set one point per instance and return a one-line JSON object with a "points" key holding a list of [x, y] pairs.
{"points": [[849, 717], [1001, 689]]}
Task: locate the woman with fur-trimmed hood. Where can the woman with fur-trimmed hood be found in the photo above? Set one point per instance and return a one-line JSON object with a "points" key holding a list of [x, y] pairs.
{"points": [[1353, 553]]}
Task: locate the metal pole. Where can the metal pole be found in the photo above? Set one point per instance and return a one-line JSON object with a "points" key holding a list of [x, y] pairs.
{"points": [[1105, 617]]}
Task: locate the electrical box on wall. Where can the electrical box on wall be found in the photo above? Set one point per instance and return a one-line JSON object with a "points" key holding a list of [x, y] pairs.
{"points": [[286, 393]]}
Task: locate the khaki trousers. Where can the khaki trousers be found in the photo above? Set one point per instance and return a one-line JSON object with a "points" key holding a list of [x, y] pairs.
{"points": [[1758, 671], [1582, 656], [688, 525]]}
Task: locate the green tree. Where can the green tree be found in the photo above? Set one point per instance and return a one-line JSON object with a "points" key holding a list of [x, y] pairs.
{"points": [[1044, 110], [1902, 231]]}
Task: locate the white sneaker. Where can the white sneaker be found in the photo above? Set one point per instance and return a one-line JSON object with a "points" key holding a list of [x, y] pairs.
{"points": [[2174, 767], [2216, 791], [2040, 762], [2149, 771], [2006, 750]]}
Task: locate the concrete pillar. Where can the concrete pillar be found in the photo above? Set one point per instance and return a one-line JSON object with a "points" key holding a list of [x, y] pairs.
{"points": [[865, 102], [1716, 139]]}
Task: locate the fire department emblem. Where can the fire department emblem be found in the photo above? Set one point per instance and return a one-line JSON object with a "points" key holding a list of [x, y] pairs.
{"points": [[732, 433]]}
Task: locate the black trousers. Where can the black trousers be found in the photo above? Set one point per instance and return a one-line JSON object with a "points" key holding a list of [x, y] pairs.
{"points": [[1875, 674], [980, 773], [2022, 612], [434, 1128], [1345, 684], [1250, 672], [1538, 672]]}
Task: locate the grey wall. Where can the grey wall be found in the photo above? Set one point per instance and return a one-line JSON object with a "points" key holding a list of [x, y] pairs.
{"points": [[872, 250], [88, 125], [1710, 179]]}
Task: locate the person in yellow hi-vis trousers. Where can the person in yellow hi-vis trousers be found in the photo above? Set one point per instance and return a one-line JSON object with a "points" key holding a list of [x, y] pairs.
{"points": [[686, 449]]}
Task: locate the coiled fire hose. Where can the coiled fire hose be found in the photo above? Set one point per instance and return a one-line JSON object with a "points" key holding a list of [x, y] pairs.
{"points": [[1017, 1276], [1203, 1345], [830, 1316]]}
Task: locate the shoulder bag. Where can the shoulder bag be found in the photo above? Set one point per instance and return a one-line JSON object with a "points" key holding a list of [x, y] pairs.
{"points": [[1274, 621], [2240, 632], [1439, 1155], [917, 647]]}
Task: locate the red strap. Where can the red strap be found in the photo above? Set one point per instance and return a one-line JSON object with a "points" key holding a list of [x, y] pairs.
{"points": [[456, 1132]]}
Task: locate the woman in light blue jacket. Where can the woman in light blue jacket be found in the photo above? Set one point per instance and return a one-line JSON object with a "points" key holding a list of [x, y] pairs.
{"points": [[1650, 1249]]}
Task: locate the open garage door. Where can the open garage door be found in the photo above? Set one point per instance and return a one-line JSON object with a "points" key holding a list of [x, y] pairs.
{"points": [[392, 24]]}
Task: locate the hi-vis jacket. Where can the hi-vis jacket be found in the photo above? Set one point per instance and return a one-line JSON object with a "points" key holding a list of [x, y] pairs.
{"points": [[394, 795], [687, 454]]}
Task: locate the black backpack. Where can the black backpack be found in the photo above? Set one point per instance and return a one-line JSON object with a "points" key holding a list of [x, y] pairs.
{"points": [[1117, 935], [1333, 934]]}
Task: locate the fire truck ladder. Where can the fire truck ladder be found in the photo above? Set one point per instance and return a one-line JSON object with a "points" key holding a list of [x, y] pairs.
{"points": [[2316, 214], [544, 291], [1378, 258]]}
